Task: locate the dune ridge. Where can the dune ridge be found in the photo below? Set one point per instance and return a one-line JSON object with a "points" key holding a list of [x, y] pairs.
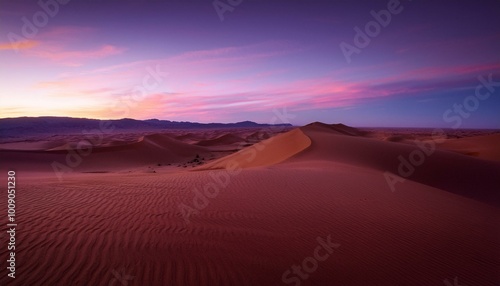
{"points": [[318, 142], [453, 172], [268, 152]]}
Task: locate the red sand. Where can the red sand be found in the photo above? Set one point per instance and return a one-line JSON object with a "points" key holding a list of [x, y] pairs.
{"points": [[317, 181]]}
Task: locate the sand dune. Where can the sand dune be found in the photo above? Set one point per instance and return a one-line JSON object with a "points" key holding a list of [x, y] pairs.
{"points": [[265, 153], [316, 181], [189, 138], [445, 170], [257, 136], [32, 146], [147, 150], [226, 139], [338, 143], [335, 128]]}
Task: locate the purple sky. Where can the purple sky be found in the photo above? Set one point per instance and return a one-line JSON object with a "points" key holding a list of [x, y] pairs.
{"points": [[97, 59]]}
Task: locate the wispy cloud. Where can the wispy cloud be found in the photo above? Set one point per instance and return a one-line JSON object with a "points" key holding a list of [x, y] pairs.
{"points": [[60, 46], [21, 45], [59, 54], [231, 80]]}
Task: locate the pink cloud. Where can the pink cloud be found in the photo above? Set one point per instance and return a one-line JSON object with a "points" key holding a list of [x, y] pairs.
{"points": [[207, 82], [21, 45], [58, 45], [66, 33], [59, 55], [443, 72], [456, 70], [212, 61]]}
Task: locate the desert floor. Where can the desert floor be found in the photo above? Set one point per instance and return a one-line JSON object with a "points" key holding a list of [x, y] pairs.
{"points": [[243, 206]]}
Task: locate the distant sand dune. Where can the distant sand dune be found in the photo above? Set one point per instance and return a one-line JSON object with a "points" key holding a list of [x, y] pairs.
{"points": [[257, 136], [151, 149], [225, 139], [335, 128], [485, 147], [32, 146]]}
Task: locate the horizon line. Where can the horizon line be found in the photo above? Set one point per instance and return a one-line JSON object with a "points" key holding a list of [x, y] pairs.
{"points": [[291, 124]]}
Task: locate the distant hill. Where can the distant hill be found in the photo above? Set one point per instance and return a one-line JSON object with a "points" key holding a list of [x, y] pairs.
{"points": [[32, 126]]}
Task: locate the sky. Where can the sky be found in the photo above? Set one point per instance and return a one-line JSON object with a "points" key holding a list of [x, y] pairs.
{"points": [[389, 63]]}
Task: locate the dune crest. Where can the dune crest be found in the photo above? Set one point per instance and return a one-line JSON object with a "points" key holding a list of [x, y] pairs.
{"points": [[268, 152], [335, 128], [338, 143], [463, 175]]}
